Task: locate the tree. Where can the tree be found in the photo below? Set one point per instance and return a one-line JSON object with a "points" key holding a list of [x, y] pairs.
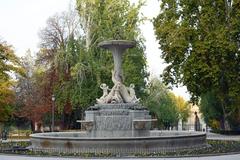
{"points": [[58, 30], [60, 51], [211, 109], [33, 92], [200, 43], [6, 100], [98, 25], [79, 64], [9, 63], [162, 104], [182, 106]]}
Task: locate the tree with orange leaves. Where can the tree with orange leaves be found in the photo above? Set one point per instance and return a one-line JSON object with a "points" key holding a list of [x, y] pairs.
{"points": [[33, 92], [9, 63]]}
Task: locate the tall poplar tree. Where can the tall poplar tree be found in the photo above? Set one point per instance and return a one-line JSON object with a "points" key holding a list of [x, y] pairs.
{"points": [[200, 42], [70, 53], [108, 20]]}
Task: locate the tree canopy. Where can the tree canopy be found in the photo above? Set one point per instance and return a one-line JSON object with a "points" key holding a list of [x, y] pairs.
{"points": [[71, 63], [200, 43], [164, 105], [9, 63], [183, 107], [112, 19], [33, 94]]}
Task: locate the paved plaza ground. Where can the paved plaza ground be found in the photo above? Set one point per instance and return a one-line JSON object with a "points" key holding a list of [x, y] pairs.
{"points": [[215, 136], [224, 157]]}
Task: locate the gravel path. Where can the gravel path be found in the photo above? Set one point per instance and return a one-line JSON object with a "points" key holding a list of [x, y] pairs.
{"points": [[215, 136], [209, 136], [224, 157]]}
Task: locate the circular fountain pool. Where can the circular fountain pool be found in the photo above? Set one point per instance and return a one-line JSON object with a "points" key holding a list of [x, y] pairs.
{"points": [[80, 142], [117, 123]]}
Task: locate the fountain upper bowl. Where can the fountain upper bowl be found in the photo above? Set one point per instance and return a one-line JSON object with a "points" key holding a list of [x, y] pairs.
{"points": [[123, 44]]}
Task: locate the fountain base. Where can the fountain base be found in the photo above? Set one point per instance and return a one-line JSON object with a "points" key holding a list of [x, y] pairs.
{"points": [[80, 142], [117, 129], [117, 120]]}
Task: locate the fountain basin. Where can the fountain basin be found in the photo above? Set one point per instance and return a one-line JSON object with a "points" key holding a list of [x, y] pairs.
{"points": [[117, 124], [81, 142]]}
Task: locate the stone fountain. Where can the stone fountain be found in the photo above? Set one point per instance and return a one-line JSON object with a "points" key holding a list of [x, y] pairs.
{"points": [[117, 123], [117, 112]]}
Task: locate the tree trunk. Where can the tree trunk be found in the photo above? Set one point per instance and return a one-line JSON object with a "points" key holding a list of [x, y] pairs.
{"points": [[88, 33], [32, 126], [226, 125]]}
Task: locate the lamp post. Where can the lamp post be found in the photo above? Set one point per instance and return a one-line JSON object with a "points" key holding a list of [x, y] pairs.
{"points": [[53, 108]]}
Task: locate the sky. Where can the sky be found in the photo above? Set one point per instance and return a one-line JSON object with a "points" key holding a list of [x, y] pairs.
{"points": [[21, 21]]}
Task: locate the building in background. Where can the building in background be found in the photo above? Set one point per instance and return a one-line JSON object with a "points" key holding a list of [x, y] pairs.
{"points": [[195, 121]]}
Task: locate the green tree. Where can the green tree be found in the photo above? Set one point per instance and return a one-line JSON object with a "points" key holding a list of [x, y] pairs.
{"points": [[78, 64], [211, 109], [161, 104], [112, 19], [9, 63], [60, 51], [200, 43]]}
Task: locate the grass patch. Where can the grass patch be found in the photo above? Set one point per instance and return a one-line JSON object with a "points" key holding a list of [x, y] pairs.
{"points": [[215, 147]]}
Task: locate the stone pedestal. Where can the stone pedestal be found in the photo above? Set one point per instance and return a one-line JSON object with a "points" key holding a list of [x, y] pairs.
{"points": [[180, 125], [118, 120]]}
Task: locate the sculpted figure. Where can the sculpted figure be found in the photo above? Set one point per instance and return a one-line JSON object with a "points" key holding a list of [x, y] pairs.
{"points": [[122, 89], [131, 90], [114, 95], [116, 98], [118, 94], [105, 89], [127, 93], [132, 93], [115, 81]]}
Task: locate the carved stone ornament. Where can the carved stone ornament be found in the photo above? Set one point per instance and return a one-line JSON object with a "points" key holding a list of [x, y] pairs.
{"points": [[119, 92]]}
